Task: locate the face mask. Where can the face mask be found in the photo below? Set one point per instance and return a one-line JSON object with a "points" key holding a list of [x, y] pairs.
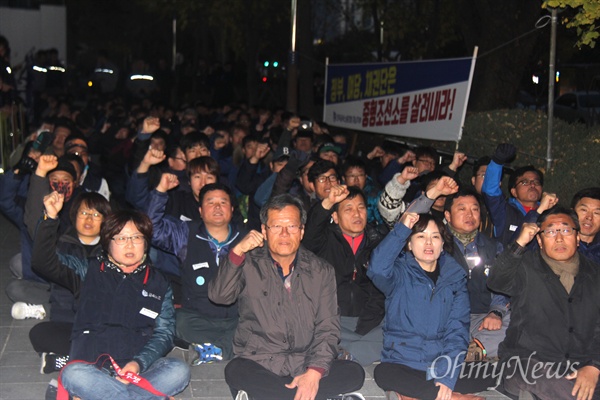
{"points": [[62, 188]]}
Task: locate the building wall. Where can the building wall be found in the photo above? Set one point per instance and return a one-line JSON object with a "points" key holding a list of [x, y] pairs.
{"points": [[34, 29]]}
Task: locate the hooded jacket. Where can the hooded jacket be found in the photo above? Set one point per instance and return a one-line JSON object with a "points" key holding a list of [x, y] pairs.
{"points": [[426, 325]]}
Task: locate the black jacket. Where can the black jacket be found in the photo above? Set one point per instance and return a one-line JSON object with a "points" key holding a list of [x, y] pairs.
{"points": [[557, 325], [72, 253], [356, 294], [129, 316]]}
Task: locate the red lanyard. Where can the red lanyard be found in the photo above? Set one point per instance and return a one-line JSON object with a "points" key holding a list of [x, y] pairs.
{"points": [[128, 376]]}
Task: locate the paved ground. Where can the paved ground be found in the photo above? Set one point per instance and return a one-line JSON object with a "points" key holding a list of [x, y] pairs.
{"points": [[20, 376]]}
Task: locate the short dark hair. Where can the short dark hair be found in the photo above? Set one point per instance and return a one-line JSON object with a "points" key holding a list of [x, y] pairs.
{"points": [[114, 223], [462, 192], [63, 122], [307, 134], [427, 151], [172, 151], [430, 177], [519, 172], [92, 200], [74, 136], [203, 164], [160, 134], [353, 162], [215, 186], [480, 162], [559, 210], [194, 138], [393, 148], [591, 192], [353, 191], [250, 138], [421, 225], [278, 203], [319, 168]]}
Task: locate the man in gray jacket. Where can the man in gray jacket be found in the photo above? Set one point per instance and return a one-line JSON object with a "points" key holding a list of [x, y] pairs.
{"points": [[289, 327]]}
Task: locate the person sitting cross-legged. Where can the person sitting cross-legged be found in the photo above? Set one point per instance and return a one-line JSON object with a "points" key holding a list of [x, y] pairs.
{"points": [[552, 344], [125, 311], [476, 253], [347, 244], [200, 246], [286, 340], [426, 328]]}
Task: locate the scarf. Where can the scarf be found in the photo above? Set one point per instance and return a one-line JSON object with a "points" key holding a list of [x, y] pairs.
{"points": [[566, 270], [464, 238]]}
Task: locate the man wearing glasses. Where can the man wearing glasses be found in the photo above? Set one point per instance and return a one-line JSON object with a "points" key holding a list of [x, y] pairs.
{"points": [[322, 177], [286, 339], [527, 200], [553, 340]]}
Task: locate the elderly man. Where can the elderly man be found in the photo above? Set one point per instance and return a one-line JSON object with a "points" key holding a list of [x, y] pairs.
{"points": [[586, 204], [287, 336], [553, 340]]}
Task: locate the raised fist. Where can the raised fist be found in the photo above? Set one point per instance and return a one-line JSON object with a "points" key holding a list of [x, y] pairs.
{"points": [[504, 153]]}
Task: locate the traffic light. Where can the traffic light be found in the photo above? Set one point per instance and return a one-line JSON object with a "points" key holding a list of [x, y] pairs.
{"points": [[268, 70]]}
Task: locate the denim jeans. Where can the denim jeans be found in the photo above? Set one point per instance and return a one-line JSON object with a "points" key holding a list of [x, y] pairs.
{"points": [[168, 375]]}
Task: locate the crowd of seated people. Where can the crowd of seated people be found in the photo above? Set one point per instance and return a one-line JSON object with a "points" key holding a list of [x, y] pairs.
{"points": [[240, 227]]}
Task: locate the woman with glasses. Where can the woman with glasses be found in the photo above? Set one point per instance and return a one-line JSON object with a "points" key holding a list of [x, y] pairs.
{"points": [[80, 242], [124, 311]]}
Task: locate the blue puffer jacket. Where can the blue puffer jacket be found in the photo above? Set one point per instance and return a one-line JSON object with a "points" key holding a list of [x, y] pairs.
{"points": [[423, 320]]}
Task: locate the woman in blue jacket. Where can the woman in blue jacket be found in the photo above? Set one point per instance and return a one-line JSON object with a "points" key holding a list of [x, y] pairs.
{"points": [[426, 329]]}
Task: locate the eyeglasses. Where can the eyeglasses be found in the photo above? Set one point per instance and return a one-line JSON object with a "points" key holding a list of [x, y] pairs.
{"points": [[563, 231], [527, 182], [354, 177], [122, 240], [330, 178], [291, 229], [96, 216]]}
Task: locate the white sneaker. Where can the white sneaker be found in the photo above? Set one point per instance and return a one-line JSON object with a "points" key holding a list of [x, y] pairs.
{"points": [[241, 395], [22, 310]]}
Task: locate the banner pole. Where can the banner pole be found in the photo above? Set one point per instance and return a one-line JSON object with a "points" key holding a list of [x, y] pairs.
{"points": [[464, 115], [325, 91]]}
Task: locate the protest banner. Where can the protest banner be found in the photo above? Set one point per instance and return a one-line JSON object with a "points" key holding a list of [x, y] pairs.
{"points": [[420, 99]]}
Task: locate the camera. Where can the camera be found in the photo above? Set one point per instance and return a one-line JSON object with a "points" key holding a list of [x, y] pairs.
{"points": [[305, 124]]}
